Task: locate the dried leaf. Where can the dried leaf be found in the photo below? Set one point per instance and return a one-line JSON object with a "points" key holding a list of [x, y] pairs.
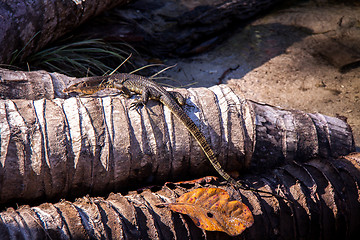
{"points": [[211, 210], [202, 180]]}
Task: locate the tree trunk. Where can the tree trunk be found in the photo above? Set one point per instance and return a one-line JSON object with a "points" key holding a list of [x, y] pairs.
{"points": [[27, 26], [32, 85], [52, 148], [324, 197]]}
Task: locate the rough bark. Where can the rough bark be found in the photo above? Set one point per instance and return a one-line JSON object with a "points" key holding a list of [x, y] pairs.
{"points": [[51, 148], [324, 195], [27, 26], [283, 135], [32, 85]]}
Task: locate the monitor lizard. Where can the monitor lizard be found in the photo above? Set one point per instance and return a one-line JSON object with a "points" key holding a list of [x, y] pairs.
{"points": [[130, 84]]}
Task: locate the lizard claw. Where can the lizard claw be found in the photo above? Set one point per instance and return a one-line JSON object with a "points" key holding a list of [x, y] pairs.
{"points": [[136, 105]]}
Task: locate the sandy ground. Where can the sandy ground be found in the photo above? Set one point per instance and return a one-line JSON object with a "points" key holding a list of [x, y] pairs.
{"points": [[306, 57]]}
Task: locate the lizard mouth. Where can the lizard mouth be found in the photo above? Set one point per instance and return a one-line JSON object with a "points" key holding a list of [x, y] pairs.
{"points": [[85, 90], [88, 85]]}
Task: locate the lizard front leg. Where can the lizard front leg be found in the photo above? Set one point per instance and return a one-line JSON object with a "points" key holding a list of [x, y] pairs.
{"points": [[138, 103], [123, 90]]}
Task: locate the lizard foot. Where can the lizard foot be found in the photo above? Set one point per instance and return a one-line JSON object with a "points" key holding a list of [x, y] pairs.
{"points": [[137, 105]]}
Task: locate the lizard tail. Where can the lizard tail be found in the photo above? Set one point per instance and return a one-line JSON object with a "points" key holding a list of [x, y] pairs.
{"points": [[200, 138]]}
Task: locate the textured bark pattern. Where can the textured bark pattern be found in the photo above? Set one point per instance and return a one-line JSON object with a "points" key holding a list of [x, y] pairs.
{"points": [[324, 194], [28, 26], [49, 147], [61, 147], [283, 135], [32, 85]]}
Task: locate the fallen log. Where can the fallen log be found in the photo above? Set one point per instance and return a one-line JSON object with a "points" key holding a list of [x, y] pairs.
{"points": [[324, 197], [27, 26], [52, 148]]}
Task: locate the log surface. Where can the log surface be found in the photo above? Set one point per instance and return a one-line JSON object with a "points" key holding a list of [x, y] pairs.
{"points": [[49, 146], [27, 26], [324, 204]]}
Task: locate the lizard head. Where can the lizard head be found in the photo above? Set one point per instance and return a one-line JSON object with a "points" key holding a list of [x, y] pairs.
{"points": [[90, 85], [86, 86]]}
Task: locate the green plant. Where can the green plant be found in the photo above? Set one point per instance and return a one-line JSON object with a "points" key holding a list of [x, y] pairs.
{"points": [[81, 58]]}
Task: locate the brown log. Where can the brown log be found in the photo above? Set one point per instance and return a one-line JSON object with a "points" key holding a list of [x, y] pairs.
{"points": [[52, 148], [292, 134], [324, 204], [32, 85], [27, 26]]}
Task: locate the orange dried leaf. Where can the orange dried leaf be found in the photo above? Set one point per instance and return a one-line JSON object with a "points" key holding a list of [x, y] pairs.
{"points": [[210, 209], [199, 180]]}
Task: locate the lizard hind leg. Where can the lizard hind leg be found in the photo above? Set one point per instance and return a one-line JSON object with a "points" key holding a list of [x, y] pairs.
{"points": [[178, 97]]}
